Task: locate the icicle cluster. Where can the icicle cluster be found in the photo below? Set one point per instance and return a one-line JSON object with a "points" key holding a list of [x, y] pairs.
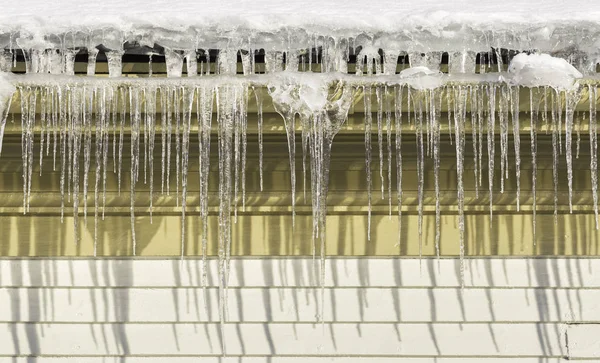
{"points": [[80, 127]]}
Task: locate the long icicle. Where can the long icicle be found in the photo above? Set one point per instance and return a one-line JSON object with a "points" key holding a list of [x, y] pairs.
{"points": [[435, 139], [534, 107], [378, 94], [368, 125], [460, 101], [593, 130], [514, 109], [204, 111], [398, 125], [556, 110], [491, 93], [259, 111], [226, 118], [134, 110], [571, 100], [188, 102], [388, 125], [418, 111], [474, 124]]}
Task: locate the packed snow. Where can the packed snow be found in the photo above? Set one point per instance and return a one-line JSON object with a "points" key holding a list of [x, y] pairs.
{"points": [[536, 70], [419, 25]]}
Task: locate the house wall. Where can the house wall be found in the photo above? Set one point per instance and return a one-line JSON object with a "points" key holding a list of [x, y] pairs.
{"points": [[375, 310]]}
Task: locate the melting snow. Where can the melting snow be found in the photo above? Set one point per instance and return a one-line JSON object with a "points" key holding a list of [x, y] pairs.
{"points": [[536, 70]]}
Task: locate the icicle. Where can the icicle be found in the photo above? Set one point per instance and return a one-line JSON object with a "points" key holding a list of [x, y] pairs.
{"points": [[368, 123], [449, 95], [77, 100], [418, 114], [191, 63], [572, 98], [28, 107], [163, 128], [150, 125], [25, 98], [390, 63], [559, 102], [62, 104], [581, 120], [491, 93], [247, 61], [435, 123], [545, 112], [134, 110], [240, 142], [480, 110], [176, 101], [236, 153], [305, 151], [556, 110], [292, 60], [474, 124], [459, 123], [514, 109], [174, 61], [105, 112], [380, 137], [115, 63], [70, 138], [226, 119], [288, 111], [324, 125], [43, 123], [259, 107], [100, 120], [243, 125], [55, 123], [534, 108], [593, 130], [388, 125], [503, 115], [87, 102], [113, 100], [123, 105], [188, 102], [204, 110], [398, 125], [146, 132], [69, 63]]}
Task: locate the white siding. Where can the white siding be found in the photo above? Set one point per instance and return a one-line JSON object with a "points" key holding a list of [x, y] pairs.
{"points": [[510, 310]]}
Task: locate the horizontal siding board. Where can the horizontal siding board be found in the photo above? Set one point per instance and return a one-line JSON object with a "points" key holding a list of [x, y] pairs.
{"points": [[461, 340], [169, 305], [584, 341], [298, 272], [269, 359]]}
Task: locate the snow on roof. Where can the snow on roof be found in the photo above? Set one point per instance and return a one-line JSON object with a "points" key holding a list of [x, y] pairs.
{"points": [[438, 24]]}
